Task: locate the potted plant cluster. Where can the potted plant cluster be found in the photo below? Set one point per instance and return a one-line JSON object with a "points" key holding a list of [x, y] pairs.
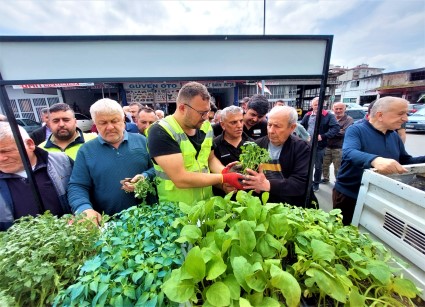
{"points": [[232, 251], [252, 253]]}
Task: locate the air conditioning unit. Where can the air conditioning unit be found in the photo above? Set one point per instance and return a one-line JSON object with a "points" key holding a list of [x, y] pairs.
{"points": [[392, 211]]}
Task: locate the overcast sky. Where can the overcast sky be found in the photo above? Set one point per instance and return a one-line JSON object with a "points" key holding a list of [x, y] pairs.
{"points": [[382, 33]]}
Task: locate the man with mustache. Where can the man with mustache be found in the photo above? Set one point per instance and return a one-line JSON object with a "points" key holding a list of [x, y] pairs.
{"points": [[66, 136], [228, 143]]}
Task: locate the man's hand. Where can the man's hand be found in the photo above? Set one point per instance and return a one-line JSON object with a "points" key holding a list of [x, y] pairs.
{"points": [[233, 180], [227, 188], [228, 167], [256, 181], [93, 216], [128, 183], [386, 166]]}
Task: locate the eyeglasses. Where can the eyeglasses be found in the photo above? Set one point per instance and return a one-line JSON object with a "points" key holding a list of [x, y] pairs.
{"points": [[202, 113]]}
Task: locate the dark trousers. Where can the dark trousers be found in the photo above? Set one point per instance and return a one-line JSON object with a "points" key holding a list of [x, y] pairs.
{"points": [[346, 204], [318, 163]]}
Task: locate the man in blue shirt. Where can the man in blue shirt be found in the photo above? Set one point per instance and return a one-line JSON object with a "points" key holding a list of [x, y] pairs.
{"points": [[372, 143], [101, 164]]}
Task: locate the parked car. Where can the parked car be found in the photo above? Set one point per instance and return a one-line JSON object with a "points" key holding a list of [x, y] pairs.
{"points": [[417, 120], [365, 106], [83, 122], [413, 108], [352, 105], [356, 114], [28, 124]]}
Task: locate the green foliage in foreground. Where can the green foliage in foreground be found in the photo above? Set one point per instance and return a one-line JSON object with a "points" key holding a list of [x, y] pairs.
{"points": [[251, 254], [41, 255], [137, 253]]}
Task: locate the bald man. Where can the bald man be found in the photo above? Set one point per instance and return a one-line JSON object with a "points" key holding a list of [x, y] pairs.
{"points": [[286, 176], [333, 150], [371, 144]]}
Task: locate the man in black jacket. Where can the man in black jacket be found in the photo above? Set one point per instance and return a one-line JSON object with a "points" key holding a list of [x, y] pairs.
{"points": [[41, 134], [286, 176], [328, 128]]}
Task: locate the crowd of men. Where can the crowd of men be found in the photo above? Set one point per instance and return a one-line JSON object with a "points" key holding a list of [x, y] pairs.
{"points": [[193, 154]]}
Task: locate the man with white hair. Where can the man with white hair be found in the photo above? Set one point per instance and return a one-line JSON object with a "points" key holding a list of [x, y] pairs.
{"points": [[371, 144], [286, 176], [101, 164], [228, 143], [333, 150], [159, 114], [51, 173], [328, 128]]}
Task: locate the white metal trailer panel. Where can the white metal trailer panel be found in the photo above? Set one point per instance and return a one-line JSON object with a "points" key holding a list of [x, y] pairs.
{"points": [[393, 212]]}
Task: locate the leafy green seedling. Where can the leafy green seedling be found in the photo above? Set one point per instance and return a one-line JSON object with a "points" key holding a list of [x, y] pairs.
{"points": [[252, 156]]}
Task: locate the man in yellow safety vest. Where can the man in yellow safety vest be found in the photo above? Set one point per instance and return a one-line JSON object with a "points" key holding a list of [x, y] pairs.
{"points": [[181, 147]]}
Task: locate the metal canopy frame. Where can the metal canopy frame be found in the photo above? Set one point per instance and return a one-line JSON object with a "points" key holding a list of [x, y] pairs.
{"points": [[59, 59]]}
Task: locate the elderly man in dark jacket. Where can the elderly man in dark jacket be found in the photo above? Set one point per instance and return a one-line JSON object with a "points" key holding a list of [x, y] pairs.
{"points": [[328, 128], [286, 176], [51, 172]]}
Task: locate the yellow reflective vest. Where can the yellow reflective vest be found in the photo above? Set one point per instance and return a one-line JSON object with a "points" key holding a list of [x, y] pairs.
{"points": [[167, 191]]}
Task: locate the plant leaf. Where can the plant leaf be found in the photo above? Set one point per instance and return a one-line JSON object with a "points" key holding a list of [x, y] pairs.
{"points": [[257, 281], [322, 250], [356, 299], [241, 269], [244, 303], [218, 294], [194, 264], [189, 233], [329, 285], [269, 302], [405, 287], [380, 271], [246, 236], [178, 290], [215, 267], [287, 284], [232, 284]]}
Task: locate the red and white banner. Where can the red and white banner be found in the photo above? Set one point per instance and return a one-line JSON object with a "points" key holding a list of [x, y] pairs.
{"points": [[29, 86]]}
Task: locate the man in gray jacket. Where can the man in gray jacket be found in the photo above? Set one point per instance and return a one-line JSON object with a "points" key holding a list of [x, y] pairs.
{"points": [[333, 150], [51, 172]]}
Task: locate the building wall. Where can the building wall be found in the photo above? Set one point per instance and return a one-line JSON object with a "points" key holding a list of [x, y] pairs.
{"points": [[395, 79], [30, 105]]}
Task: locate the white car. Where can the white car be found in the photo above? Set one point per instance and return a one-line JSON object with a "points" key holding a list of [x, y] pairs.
{"points": [[83, 122], [353, 105]]}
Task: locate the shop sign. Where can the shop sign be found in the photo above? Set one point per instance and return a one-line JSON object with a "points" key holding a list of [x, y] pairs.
{"points": [[219, 84], [151, 86]]}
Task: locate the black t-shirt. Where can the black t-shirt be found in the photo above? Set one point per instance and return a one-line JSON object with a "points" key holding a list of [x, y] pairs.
{"points": [[160, 143], [217, 129], [256, 131], [226, 152]]}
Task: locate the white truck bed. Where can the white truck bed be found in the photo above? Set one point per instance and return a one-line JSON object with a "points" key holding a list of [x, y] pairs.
{"points": [[393, 212]]}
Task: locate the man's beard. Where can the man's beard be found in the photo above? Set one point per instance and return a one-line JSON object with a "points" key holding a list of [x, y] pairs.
{"points": [[65, 137]]}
